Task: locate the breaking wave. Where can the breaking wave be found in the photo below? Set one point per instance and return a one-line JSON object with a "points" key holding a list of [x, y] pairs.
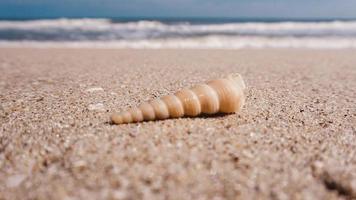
{"points": [[180, 34]]}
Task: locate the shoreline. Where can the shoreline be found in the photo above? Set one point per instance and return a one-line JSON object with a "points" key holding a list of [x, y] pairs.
{"points": [[208, 42]]}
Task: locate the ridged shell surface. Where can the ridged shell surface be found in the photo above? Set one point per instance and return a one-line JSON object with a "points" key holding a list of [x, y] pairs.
{"points": [[223, 95]]}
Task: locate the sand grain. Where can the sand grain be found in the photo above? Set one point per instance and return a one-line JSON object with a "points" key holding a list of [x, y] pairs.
{"points": [[295, 137]]}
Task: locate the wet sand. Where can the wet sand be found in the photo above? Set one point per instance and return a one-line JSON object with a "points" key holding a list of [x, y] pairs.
{"points": [[294, 138]]}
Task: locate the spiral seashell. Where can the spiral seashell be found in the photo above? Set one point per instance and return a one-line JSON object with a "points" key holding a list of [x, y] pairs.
{"points": [[216, 96]]}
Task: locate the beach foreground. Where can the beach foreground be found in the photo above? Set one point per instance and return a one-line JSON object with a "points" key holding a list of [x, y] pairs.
{"points": [[294, 138]]}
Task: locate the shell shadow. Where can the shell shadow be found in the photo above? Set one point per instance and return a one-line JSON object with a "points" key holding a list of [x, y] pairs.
{"points": [[206, 116], [201, 116]]}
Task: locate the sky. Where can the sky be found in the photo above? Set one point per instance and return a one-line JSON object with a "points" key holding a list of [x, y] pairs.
{"points": [[178, 8]]}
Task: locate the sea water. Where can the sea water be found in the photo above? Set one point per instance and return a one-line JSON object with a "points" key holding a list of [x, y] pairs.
{"points": [[217, 33]]}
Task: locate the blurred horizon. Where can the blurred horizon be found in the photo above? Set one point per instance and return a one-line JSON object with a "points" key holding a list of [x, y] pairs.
{"points": [[280, 9], [200, 18]]}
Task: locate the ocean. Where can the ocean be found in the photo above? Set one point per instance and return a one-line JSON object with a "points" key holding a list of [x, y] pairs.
{"points": [[195, 33]]}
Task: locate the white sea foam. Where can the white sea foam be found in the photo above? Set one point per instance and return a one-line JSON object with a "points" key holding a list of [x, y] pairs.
{"points": [[103, 33], [55, 23], [260, 28], [209, 42]]}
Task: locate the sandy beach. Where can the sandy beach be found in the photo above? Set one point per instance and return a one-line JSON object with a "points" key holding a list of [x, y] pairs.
{"points": [[294, 138]]}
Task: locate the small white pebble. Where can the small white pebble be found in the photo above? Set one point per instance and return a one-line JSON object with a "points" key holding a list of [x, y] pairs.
{"points": [[96, 107], [318, 165], [353, 184], [94, 89], [179, 144], [119, 194], [15, 180], [80, 163], [247, 154], [252, 134]]}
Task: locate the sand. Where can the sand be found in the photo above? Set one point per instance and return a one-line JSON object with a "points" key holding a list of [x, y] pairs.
{"points": [[294, 139]]}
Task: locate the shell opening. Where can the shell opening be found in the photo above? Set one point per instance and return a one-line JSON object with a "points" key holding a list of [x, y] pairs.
{"points": [[237, 78]]}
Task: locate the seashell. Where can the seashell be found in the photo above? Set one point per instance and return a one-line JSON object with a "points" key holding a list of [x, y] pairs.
{"points": [[216, 96]]}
